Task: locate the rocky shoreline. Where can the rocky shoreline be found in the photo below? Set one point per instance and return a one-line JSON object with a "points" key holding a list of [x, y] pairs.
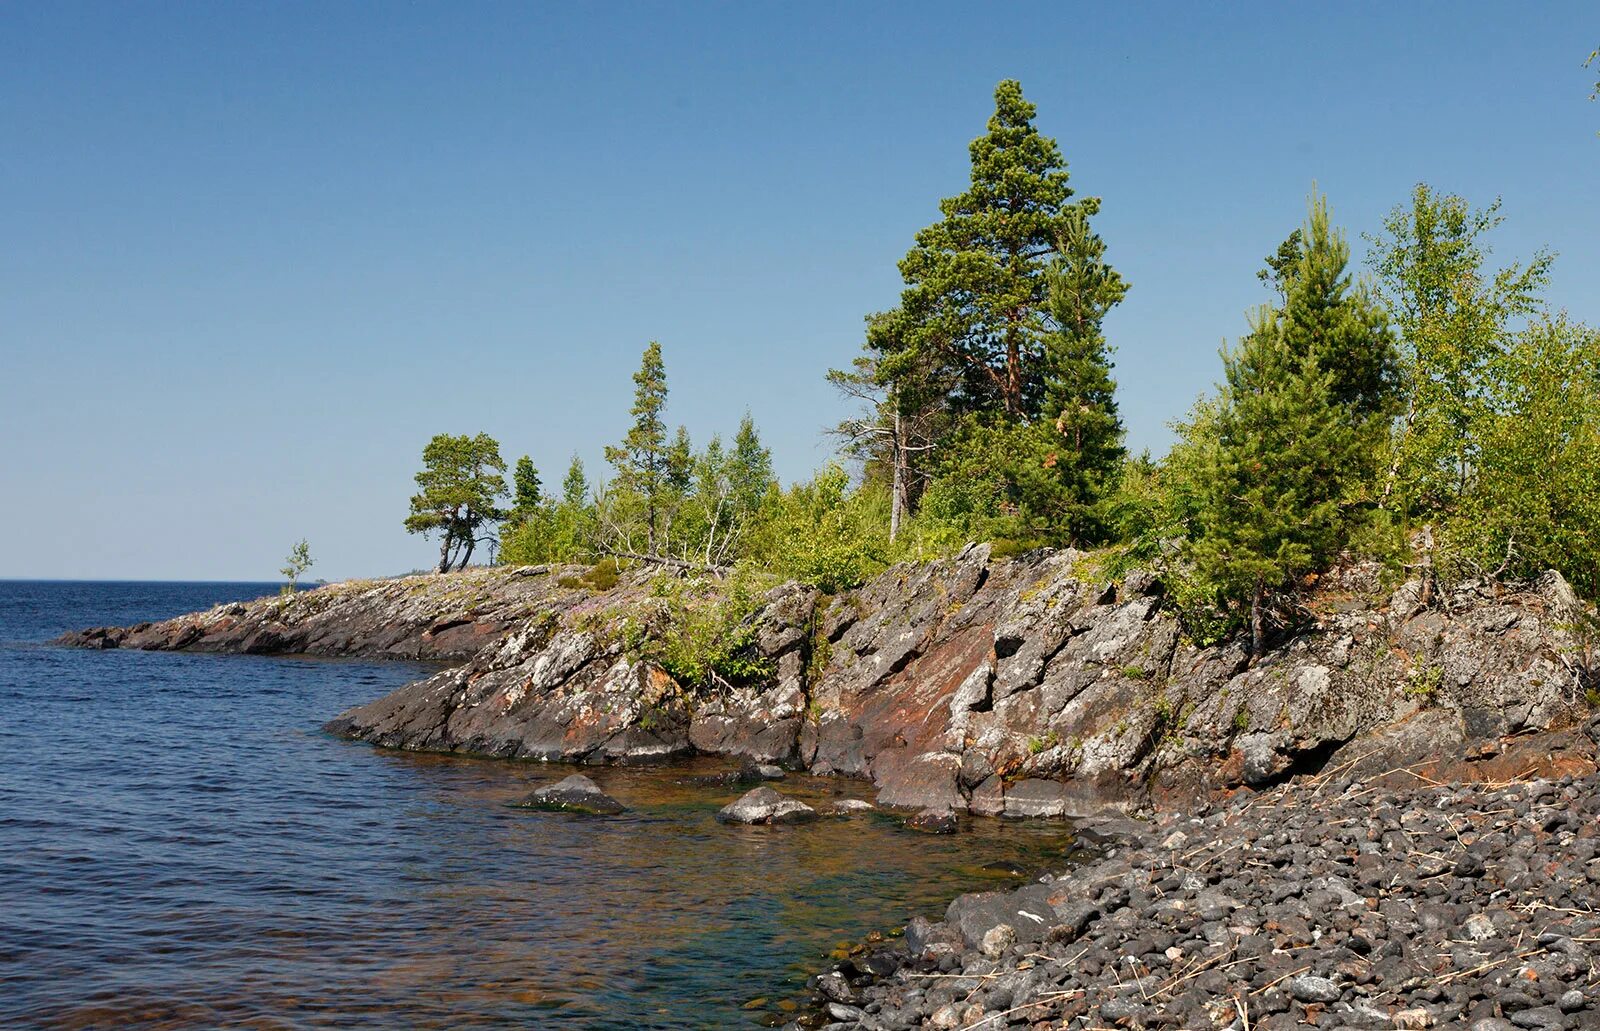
{"points": [[1333, 902], [1027, 687], [1390, 819]]}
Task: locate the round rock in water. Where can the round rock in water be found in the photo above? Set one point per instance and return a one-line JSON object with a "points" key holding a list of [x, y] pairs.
{"points": [[576, 794], [934, 821], [764, 805]]}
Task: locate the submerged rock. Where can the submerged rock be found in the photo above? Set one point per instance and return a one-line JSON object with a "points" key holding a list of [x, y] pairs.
{"points": [[576, 794], [934, 821], [764, 805]]}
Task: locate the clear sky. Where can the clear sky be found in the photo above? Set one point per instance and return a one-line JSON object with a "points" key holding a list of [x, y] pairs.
{"points": [[253, 256]]}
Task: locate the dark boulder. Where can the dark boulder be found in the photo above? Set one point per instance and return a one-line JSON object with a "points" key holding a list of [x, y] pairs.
{"points": [[576, 794], [1027, 910], [934, 821]]}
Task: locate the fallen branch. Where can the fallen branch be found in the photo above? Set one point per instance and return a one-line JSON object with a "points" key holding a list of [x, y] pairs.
{"points": [[670, 563]]}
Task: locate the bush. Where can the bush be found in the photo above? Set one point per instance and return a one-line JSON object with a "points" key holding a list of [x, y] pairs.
{"points": [[702, 632], [822, 533]]}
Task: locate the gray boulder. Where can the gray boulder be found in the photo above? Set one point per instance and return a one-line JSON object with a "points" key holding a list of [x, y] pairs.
{"points": [[1027, 910], [764, 805], [576, 794]]}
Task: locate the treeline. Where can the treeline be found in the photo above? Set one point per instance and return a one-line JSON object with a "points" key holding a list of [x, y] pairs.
{"points": [[1433, 415]]}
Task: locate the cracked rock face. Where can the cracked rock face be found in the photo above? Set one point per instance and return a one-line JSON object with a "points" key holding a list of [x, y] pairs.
{"points": [[1025, 688]]}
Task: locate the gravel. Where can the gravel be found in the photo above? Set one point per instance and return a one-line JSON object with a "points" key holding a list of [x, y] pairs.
{"points": [[1328, 904]]}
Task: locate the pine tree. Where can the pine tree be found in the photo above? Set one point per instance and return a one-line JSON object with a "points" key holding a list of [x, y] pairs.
{"points": [[1269, 481], [527, 494], [997, 345], [459, 487], [575, 486], [1340, 324], [641, 459], [1269, 471], [680, 463], [977, 281], [749, 468], [1080, 395]]}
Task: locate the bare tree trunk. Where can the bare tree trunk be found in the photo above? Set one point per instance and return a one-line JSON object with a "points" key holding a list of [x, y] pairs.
{"points": [[444, 551], [467, 556], [1256, 635], [897, 500], [668, 561], [1426, 542]]}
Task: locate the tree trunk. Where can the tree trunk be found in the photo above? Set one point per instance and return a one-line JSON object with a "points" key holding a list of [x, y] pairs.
{"points": [[1013, 398], [467, 556], [1426, 541], [444, 551], [1256, 643], [897, 499]]}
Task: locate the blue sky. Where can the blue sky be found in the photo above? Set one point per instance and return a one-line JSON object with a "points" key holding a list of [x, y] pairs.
{"points": [[254, 256]]}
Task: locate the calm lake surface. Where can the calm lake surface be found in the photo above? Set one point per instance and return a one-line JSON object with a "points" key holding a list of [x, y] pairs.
{"points": [[180, 846]]}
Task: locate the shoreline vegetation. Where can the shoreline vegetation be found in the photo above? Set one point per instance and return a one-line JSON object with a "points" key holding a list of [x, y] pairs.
{"points": [[1430, 414], [1340, 641]]}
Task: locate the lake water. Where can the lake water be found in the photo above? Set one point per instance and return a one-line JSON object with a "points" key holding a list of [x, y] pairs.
{"points": [[180, 846]]}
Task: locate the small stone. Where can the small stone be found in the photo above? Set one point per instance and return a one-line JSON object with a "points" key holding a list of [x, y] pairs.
{"points": [[835, 987], [1571, 1002], [1537, 1018], [1311, 988], [945, 1018], [1479, 927], [998, 940], [1115, 1010], [1412, 1019], [839, 1011], [1470, 865]]}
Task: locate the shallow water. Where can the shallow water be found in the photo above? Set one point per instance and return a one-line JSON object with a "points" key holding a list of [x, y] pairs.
{"points": [[180, 846]]}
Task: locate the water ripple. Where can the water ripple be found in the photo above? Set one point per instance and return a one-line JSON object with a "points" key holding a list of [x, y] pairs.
{"points": [[180, 847]]}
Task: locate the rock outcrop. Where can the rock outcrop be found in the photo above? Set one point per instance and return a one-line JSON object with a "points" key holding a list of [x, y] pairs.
{"points": [[1030, 687], [413, 617]]}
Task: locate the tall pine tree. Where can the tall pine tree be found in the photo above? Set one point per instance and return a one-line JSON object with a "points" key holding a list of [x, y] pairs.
{"points": [[1080, 395], [1269, 480], [977, 284], [641, 460], [1276, 462], [994, 365], [527, 493]]}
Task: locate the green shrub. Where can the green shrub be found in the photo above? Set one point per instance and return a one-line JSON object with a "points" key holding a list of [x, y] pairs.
{"points": [[600, 577], [702, 632]]}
